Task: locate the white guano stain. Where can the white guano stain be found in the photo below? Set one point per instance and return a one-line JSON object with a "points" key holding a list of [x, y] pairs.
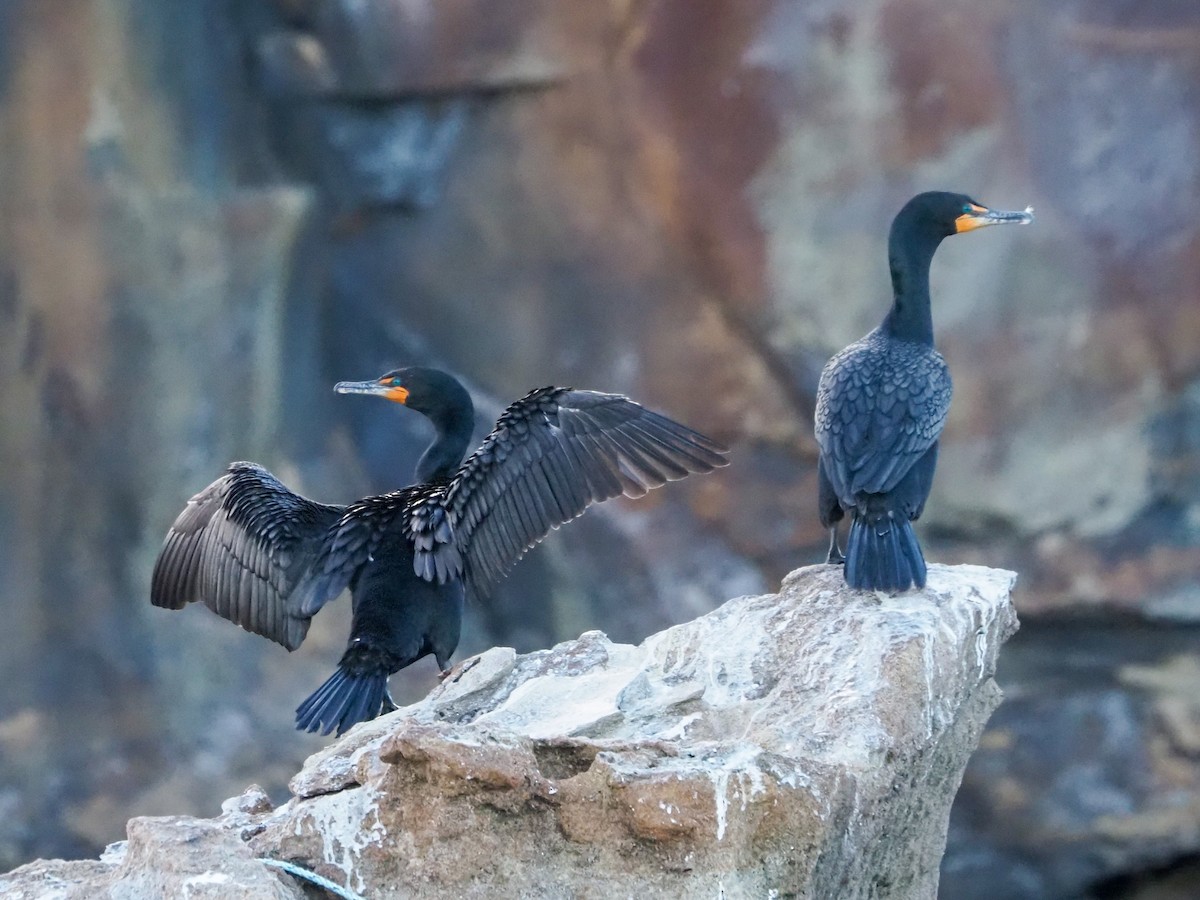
{"points": [[342, 821], [741, 762], [204, 883]]}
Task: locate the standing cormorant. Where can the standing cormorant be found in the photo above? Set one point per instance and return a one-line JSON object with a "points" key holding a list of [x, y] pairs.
{"points": [[268, 559], [882, 402]]}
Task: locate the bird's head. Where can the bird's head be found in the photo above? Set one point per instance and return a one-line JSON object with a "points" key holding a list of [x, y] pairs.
{"points": [[943, 213], [428, 391]]}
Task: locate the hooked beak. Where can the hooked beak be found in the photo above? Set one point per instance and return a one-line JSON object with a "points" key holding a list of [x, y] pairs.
{"points": [[392, 392], [981, 217]]}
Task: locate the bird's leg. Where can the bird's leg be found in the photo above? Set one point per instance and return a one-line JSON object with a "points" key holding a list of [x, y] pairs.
{"points": [[835, 552], [388, 705], [456, 671]]}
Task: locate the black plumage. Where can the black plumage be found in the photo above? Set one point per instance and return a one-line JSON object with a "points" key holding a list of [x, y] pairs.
{"points": [[261, 556], [882, 403]]}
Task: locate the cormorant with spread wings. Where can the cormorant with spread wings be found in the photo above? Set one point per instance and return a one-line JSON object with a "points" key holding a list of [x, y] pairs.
{"points": [[268, 559]]}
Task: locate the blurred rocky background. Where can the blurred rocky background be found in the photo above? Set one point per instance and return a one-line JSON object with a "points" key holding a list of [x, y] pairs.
{"points": [[211, 210]]}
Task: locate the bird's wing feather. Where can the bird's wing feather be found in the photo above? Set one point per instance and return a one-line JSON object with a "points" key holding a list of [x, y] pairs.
{"points": [[551, 455], [878, 412], [436, 556], [353, 541], [240, 546]]}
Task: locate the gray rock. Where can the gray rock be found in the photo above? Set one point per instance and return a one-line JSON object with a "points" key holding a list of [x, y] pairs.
{"points": [[1088, 772], [174, 856], [807, 743], [642, 198]]}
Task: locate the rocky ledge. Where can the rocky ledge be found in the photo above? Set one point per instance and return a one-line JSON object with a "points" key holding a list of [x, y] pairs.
{"points": [[802, 744]]}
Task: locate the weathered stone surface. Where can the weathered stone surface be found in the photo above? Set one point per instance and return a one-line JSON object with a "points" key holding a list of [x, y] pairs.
{"points": [[174, 856], [1088, 772], [691, 206], [802, 744], [390, 49]]}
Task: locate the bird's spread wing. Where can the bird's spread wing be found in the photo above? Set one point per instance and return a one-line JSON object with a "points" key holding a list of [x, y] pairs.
{"points": [[878, 412], [552, 454], [240, 547]]}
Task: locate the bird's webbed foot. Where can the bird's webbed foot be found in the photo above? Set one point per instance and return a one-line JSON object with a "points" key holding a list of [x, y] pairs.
{"points": [[453, 673]]}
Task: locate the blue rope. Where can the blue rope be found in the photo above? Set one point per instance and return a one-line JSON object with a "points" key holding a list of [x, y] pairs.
{"points": [[300, 872]]}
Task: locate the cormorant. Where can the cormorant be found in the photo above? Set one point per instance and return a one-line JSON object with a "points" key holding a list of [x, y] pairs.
{"points": [[268, 559], [882, 402]]}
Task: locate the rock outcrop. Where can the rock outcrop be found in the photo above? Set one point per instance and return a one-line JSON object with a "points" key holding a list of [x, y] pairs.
{"points": [[1086, 782], [218, 210], [805, 744]]}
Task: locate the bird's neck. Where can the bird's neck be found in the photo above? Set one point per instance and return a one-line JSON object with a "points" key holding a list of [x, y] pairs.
{"points": [[443, 457], [909, 255]]}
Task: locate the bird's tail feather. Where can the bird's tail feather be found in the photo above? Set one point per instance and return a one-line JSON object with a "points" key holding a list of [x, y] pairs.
{"points": [[882, 554], [343, 700]]}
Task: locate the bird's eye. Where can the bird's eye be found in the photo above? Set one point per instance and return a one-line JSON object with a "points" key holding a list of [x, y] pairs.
{"points": [[967, 208]]}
